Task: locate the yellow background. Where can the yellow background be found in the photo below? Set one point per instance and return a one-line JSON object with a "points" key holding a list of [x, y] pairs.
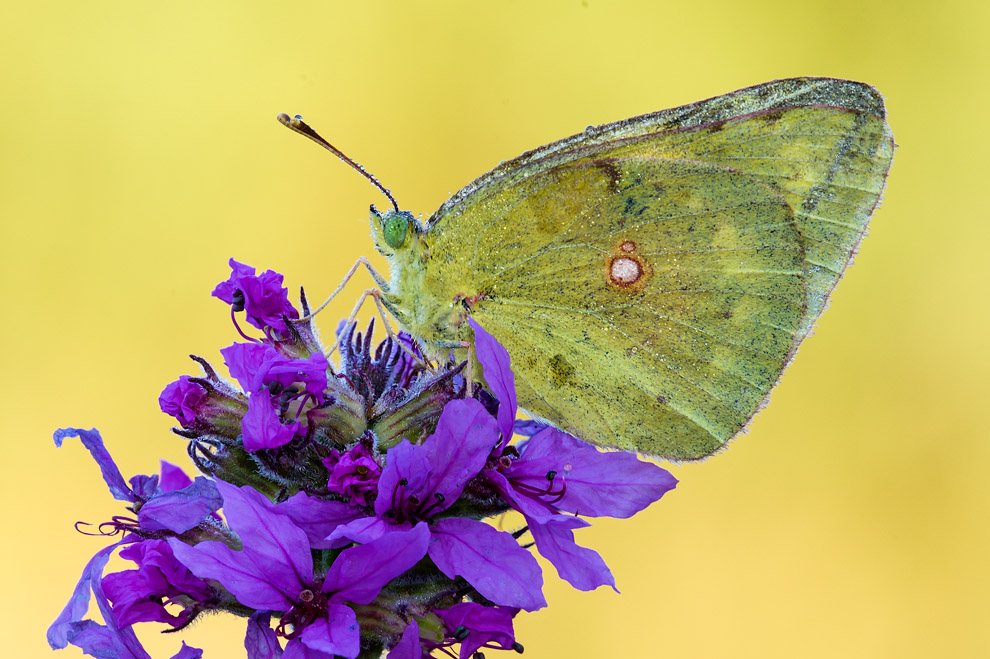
{"points": [[139, 150]]}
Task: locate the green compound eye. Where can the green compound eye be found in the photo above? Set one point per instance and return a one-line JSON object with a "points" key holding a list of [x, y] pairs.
{"points": [[396, 228]]}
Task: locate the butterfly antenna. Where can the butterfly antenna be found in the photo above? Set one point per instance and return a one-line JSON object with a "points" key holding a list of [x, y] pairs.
{"points": [[298, 125]]}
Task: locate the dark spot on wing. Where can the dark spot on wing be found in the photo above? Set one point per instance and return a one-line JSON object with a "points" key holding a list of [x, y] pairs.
{"points": [[561, 371], [770, 118], [612, 171]]}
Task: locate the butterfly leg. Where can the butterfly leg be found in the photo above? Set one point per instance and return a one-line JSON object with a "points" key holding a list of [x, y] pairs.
{"points": [[469, 375], [350, 273], [383, 314]]}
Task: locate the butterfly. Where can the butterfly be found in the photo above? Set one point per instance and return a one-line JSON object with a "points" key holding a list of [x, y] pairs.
{"points": [[650, 278]]}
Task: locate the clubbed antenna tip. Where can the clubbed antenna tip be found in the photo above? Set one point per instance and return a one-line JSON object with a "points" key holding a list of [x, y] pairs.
{"points": [[297, 124]]}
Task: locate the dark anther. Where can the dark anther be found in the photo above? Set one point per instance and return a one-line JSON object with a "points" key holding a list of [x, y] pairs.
{"points": [[551, 475], [461, 633], [413, 500], [518, 647], [360, 470], [238, 303], [404, 482], [478, 655], [275, 388], [423, 514]]}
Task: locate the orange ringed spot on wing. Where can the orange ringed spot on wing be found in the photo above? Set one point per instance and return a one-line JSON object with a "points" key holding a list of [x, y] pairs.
{"points": [[628, 246], [624, 271]]}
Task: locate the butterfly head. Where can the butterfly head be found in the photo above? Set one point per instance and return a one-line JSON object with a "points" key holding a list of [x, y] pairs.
{"points": [[393, 230]]}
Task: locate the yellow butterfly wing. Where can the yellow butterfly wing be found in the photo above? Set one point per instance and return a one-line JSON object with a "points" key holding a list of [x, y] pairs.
{"points": [[651, 278]]}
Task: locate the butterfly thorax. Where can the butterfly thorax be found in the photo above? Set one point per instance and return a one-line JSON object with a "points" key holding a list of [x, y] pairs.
{"points": [[429, 299]]}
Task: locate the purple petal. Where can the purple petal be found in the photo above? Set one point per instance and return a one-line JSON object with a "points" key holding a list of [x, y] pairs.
{"points": [[260, 640], [135, 600], [359, 573], [311, 371], [295, 649], [437, 471], [78, 603], [94, 639], [261, 426], [128, 644], [353, 474], [271, 540], [403, 462], [458, 449], [172, 478], [181, 399], [109, 641], [94, 443], [248, 362], [275, 564], [225, 289], [105, 642], [139, 595], [490, 560], [144, 487], [528, 427], [598, 483], [250, 584], [266, 300], [581, 567], [486, 624], [183, 509], [531, 506], [188, 652], [494, 359], [337, 634], [363, 530], [318, 518], [408, 646]]}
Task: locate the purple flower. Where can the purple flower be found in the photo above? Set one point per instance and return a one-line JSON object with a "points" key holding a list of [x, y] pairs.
{"points": [[173, 504], [409, 645], [261, 641], [420, 482], [274, 572], [360, 526], [182, 399], [353, 474], [177, 510], [141, 595], [279, 387], [262, 297], [477, 626]]}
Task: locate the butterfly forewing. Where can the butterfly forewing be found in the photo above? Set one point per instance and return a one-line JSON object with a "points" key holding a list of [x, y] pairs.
{"points": [[829, 163], [651, 278]]}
